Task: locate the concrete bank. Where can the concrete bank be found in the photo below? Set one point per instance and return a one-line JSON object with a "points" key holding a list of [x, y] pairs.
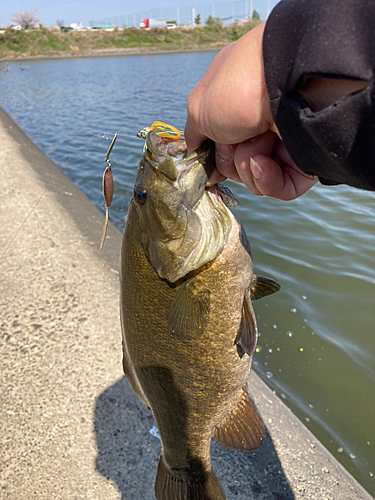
{"points": [[114, 52], [70, 426]]}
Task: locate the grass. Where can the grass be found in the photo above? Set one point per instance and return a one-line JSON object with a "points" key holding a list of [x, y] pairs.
{"points": [[31, 42], [43, 42]]}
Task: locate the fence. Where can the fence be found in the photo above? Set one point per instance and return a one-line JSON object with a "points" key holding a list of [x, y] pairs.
{"points": [[184, 15]]}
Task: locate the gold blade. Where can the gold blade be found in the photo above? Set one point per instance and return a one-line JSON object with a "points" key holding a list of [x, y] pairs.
{"points": [[104, 230]]}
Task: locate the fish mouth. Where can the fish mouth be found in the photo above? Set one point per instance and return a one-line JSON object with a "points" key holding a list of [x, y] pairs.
{"points": [[170, 156], [161, 146]]}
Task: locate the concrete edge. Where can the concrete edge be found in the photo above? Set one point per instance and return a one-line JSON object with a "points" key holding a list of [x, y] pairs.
{"points": [[136, 51], [282, 425]]}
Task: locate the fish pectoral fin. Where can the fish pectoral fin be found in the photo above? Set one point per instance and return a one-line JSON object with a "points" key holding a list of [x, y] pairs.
{"points": [[262, 286], [189, 311], [247, 334], [227, 196], [242, 428]]}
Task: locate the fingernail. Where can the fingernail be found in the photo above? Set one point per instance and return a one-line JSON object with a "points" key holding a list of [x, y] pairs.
{"points": [[224, 152], [256, 170]]}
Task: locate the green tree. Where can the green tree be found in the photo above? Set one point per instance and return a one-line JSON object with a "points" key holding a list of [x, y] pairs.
{"points": [[255, 15], [211, 22], [197, 19]]}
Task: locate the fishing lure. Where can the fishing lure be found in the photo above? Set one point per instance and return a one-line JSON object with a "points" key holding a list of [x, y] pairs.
{"points": [[163, 130], [108, 188]]}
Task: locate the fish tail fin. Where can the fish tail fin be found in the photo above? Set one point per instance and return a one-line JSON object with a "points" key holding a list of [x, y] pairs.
{"points": [[171, 487], [243, 428]]}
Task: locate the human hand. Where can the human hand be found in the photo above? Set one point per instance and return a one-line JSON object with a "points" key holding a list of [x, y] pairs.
{"points": [[230, 105]]}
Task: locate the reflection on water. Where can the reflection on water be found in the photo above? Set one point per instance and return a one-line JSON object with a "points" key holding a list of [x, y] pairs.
{"points": [[316, 345]]}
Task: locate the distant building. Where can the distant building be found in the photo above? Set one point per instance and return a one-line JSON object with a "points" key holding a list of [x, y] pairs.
{"points": [[76, 26]]}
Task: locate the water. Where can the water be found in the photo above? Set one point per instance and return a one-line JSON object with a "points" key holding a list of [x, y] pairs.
{"points": [[316, 345]]}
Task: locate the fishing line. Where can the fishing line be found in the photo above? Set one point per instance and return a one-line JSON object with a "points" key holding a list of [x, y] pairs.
{"points": [[44, 192]]}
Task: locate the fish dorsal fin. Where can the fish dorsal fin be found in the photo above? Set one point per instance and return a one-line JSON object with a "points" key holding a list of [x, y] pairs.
{"points": [[247, 335], [189, 311], [262, 286], [242, 428]]}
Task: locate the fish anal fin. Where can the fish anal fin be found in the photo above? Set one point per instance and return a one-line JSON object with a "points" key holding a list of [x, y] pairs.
{"points": [[173, 486], [242, 428], [247, 334], [189, 311], [262, 286]]}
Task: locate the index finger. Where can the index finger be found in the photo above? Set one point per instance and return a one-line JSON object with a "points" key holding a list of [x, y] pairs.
{"points": [[193, 137]]}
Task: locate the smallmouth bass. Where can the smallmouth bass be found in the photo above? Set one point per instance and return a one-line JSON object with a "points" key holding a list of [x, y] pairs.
{"points": [[189, 329]]}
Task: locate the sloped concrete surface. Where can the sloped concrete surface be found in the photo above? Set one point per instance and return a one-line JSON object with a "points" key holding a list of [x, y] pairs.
{"points": [[70, 426]]}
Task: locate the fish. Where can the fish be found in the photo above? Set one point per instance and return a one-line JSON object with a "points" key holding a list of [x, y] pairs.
{"points": [[188, 325]]}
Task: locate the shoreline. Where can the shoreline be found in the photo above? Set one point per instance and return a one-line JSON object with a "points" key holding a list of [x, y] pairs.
{"points": [[113, 52]]}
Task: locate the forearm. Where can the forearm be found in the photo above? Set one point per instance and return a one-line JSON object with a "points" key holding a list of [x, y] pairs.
{"points": [[319, 61]]}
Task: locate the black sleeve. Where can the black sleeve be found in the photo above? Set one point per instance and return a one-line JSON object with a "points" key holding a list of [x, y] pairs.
{"points": [[331, 38]]}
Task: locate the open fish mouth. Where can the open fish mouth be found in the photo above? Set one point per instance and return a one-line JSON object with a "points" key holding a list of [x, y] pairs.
{"points": [[166, 150], [164, 140]]}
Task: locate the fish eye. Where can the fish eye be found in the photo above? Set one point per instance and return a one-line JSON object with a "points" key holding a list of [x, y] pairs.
{"points": [[140, 195]]}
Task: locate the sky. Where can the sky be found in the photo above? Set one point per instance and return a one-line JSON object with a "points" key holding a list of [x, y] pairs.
{"points": [[85, 10]]}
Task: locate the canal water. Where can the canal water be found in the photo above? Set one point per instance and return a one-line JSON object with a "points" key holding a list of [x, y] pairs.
{"points": [[316, 347]]}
